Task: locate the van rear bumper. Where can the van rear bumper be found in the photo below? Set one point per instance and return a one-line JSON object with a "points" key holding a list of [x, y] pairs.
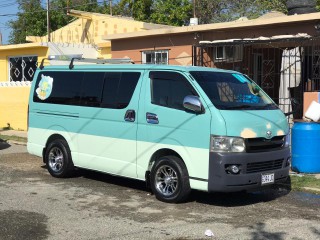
{"points": [[252, 166]]}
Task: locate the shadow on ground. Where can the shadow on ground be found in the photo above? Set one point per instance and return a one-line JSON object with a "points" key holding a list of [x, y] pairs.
{"points": [[217, 199], [4, 144]]}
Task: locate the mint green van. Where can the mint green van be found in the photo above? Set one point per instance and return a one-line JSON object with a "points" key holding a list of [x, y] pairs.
{"points": [[177, 128]]}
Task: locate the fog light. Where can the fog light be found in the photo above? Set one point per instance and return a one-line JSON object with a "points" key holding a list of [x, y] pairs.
{"points": [[288, 162], [234, 169]]}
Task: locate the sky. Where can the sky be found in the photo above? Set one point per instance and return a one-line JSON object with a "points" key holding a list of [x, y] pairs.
{"points": [[8, 7]]}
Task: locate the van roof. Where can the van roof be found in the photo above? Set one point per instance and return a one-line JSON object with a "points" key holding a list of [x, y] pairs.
{"points": [[132, 67]]}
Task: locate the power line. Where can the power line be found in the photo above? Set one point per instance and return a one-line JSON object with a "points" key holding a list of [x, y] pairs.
{"points": [[7, 5], [53, 9]]}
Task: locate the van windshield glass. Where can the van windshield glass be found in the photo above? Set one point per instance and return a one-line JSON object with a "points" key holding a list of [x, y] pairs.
{"points": [[233, 91]]}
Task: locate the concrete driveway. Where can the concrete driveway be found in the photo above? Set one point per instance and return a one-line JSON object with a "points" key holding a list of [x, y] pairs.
{"points": [[34, 205]]}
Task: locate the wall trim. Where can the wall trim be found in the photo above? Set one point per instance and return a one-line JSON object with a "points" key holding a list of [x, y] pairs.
{"points": [[16, 84]]}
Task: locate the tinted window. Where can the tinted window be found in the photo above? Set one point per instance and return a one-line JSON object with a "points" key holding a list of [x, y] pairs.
{"points": [[119, 88], [58, 87], [168, 89], [92, 88]]}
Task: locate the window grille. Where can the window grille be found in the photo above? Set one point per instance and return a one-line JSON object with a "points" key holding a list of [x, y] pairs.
{"points": [[22, 68]]}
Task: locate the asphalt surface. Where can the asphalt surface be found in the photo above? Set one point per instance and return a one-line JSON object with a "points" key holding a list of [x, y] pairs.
{"points": [[34, 205]]}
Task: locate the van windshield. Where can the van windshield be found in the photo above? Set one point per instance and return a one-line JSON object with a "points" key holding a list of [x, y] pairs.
{"points": [[233, 91]]}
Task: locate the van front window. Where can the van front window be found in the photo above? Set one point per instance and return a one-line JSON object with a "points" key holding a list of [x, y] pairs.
{"points": [[233, 91]]}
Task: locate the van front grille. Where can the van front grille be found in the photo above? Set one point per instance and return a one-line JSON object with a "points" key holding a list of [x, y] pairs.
{"points": [[264, 166], [264, 145]]}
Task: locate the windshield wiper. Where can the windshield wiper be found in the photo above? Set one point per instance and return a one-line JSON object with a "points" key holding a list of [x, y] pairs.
{"points": [[244, 106], [269, 106]]}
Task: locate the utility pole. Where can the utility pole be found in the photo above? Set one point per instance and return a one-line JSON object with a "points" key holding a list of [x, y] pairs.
{"points": [[194, 8], [110, 3], [48, 20]]}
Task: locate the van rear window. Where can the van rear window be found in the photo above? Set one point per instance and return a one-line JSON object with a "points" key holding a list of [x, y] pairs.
{"points": [[90, 89]]}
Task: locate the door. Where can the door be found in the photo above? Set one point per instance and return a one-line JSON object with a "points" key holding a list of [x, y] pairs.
{"points": [[165, 124], [107, 139]]}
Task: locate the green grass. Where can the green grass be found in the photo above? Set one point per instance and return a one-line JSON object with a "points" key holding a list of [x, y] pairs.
{"points": [[299, 182], [13, 138]]}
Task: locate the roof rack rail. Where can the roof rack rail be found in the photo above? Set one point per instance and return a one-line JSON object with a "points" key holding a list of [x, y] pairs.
{"points": [[79, 58]]}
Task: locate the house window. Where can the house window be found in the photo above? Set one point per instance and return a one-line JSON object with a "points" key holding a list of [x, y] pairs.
{"points": [[228, 53], [155, 57], [22, 68]]}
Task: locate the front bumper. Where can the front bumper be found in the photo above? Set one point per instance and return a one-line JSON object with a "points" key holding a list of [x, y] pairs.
{"points": [[221, 181]]}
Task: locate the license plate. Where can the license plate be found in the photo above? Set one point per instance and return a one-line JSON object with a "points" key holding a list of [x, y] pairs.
{"points": [[267, 178]]}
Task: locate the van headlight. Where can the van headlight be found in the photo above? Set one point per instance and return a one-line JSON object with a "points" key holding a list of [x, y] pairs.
{"points": [[227, 144]]}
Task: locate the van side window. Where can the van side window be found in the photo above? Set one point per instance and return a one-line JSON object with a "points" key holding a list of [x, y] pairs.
{"points": [[168, 89], [92, 87], [66, 87], [118, 89]]}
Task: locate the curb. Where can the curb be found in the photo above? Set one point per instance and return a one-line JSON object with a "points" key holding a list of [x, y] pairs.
{"points": [[17, 143], [317, 190]]}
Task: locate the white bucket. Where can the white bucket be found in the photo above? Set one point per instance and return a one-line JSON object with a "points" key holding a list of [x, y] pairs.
{"points": [[313, 111]]}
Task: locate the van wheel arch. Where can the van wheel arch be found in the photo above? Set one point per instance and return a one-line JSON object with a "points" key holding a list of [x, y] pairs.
{"points": [[162, 153], [157, 155], [51, 139]]}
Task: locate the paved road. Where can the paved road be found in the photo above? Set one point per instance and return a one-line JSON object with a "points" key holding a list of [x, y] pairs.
{"points": [[34, 205]]}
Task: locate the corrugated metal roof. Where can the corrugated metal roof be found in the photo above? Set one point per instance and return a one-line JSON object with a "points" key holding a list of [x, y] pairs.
{"points": [[261, 39]]}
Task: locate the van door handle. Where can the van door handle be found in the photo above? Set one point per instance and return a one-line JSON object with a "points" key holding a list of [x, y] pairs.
{"points": [[130, 116], [152, 118]]}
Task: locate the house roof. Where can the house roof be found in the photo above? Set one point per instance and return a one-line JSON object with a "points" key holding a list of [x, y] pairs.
{"points": [[89, 27], [261, 39], [88, 15], [20, 46], [271, 19]]}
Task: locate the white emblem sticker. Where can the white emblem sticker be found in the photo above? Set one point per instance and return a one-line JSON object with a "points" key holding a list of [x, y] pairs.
{"points": [[45, 87]]}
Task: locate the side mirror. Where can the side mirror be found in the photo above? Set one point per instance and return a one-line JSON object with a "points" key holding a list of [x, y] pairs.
{"points": [[193, 103]]}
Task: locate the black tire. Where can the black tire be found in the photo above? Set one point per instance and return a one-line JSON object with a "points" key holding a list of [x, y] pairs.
{"points": [[169, 180], [58, 159], [291, 4], [301, 10]]}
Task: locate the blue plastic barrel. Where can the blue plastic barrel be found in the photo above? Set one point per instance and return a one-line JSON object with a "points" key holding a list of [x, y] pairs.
{"points": [[305, 147]]}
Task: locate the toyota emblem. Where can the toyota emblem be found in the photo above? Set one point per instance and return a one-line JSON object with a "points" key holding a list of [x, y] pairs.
{"points": [[269, 134]]}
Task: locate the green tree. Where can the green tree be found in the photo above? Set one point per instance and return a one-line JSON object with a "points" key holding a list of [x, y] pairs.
{"points": [[58, 14], [31, 20], [209, 11], [171, 12], [140, 10], [58, 11], [32, 17]]}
